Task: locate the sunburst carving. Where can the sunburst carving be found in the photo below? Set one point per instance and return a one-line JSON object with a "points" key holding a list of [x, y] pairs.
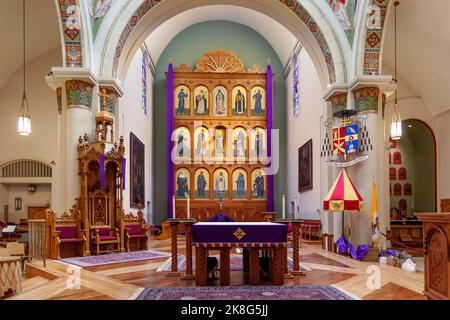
{"points": [[220, 61]]}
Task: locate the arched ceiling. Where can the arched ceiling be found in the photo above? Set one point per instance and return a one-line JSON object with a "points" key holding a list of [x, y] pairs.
{"points": [[277, 35], [42, 33], [423, 48]]}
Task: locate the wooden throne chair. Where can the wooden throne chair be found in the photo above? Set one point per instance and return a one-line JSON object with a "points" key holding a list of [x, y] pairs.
{"points": [[65, 236], [136, 235]]}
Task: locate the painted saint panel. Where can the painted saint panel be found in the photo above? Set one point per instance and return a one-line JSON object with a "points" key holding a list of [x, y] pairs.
{"points": [[239, 184], [240, 144], [344, 10], [220, 140], [239, 103], [258, 184], [201, 142], [258, 103], [258, 143], [220, 102], [220, 184], [201, 184], [182, 143], [137, 169], [182, 183], [201, 107], [182, 101]]}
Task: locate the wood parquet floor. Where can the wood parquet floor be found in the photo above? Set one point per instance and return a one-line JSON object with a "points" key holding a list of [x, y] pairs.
{"points": [[124, 280]]}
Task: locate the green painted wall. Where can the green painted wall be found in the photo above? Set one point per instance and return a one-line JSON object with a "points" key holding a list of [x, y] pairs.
{"points": [[187, 47]]}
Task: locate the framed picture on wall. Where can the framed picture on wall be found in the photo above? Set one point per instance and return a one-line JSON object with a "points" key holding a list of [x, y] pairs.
{"points": [[305, 167], [137, 173]]}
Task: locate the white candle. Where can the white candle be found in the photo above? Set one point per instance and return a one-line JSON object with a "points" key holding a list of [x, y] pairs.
{"points": [[173, 207], [283, 203], [188, 207], [295, 207]]}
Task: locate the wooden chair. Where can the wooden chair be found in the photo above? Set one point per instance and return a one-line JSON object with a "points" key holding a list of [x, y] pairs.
{"points": [[136, 231], [65, 237], [105, 236]]}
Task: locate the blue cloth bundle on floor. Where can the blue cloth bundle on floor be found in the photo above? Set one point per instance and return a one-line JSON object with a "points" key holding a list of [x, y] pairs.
{"points": [[221, 217]]}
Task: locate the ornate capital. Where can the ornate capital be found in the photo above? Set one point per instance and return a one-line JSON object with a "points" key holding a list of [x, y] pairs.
{"points": [[366, 99], [79, 93], [111, 98], [338, 102], [59, 99]]}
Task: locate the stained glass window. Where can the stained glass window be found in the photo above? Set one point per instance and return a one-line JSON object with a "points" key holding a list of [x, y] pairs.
{"points": [[144, 83], [296, 89]]}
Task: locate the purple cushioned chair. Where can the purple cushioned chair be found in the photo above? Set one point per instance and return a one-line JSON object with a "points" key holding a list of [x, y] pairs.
{"points": [[69, 234], [138, 232], [105, 236]]}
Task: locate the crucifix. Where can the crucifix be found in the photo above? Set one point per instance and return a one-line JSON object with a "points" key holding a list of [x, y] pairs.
{"points": [[103, 95], [221, 203]]}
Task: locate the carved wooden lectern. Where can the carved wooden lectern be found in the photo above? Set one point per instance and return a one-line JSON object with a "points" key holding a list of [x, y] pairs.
{"points": [[436, 234]]}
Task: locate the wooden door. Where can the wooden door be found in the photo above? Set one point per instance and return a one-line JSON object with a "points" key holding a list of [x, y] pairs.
{"points": [[36, 212]]}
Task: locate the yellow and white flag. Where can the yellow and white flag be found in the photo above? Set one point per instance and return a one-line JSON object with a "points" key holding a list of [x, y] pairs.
{"points": [[374, 217]]}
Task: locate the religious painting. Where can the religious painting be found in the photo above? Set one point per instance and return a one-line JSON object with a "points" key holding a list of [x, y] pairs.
{"points": [[258, 101], [98, 10], [220, 101], [182, 101], [259, 184], [220, 142], [137, 172], [402, 175], [345, 10], [220, 184], [258, 143], [239, 142], [182, 138], [397, 158], [392, 174], [201, 184], [239, 184], [239, 101], [201, 142], [182, 183], [201, 101], [407, 189], [397, 189], [305, 167]]}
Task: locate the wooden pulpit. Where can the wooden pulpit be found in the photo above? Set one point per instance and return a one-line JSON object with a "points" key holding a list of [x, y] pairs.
{"points": [[436, 234]]}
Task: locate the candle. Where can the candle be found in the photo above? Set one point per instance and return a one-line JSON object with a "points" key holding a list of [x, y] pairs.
{"points": [[173, 207], [283, 203], [188, 207]]}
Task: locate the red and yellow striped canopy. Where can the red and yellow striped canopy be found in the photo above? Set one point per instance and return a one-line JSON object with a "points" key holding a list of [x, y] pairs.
{"points": [[343, 195]]}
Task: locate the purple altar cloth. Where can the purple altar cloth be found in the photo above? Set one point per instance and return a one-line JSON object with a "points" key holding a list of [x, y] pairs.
{"points": [[252, 232]]}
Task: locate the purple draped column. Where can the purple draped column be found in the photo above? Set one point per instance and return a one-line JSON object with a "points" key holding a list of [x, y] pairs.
{"points": [[124, 167], [269, 99], [170, 128], [102, 171]]}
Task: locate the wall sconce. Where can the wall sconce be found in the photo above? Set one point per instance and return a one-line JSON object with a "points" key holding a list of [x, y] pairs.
{"points": [[18, 204], [31, 188]]}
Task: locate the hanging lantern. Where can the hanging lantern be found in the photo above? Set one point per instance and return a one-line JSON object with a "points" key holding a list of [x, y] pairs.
{"points": [[24, 120], [396, 124]]}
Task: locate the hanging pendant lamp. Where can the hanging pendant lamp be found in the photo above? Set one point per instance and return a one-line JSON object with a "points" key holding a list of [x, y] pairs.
{"points": [[24, 120], [396, 123]]}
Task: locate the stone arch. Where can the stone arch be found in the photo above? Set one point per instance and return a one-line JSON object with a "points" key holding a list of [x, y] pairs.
{"points": [[329, 53]]}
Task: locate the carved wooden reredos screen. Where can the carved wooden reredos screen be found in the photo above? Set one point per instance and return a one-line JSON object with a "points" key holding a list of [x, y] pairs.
{"points": [[220, 119]]}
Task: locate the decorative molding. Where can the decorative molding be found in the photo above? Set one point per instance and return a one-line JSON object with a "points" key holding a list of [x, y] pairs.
{"points": [[183, 68], [366, 99], [256, 68], [220, 61], [70, 23], [79, 93], [374, 40]]}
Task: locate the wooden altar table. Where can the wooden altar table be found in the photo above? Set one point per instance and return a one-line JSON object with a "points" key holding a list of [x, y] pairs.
{"points": [[264, 238]]}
